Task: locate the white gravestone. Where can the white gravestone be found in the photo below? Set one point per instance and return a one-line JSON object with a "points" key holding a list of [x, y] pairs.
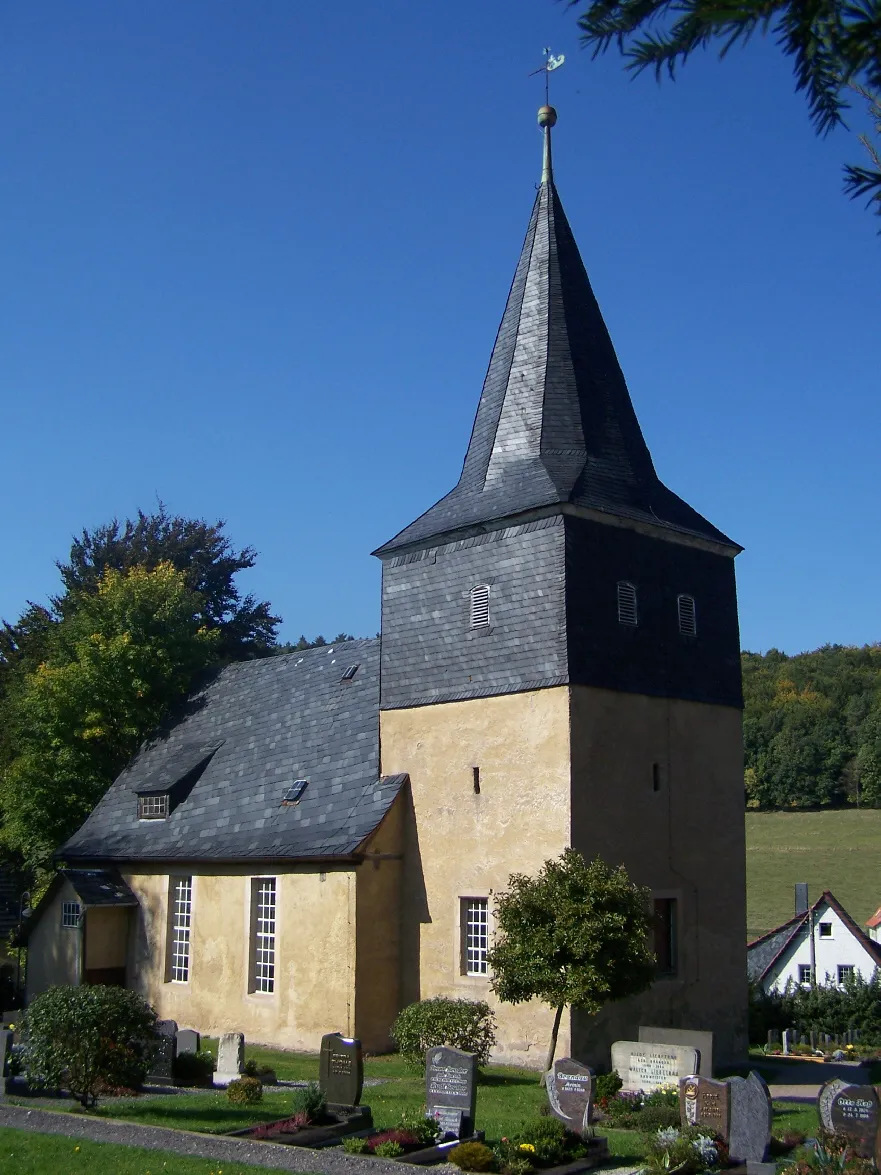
{"points": [[230, 1058], [645, 1066]]}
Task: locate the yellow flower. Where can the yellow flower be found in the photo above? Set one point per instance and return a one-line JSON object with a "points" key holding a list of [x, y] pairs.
{"points": [[527, 1146], [76, 1148]]}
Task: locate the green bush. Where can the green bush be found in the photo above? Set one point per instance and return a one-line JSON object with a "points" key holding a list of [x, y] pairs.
{"points": [[247, 1091], [355, 1146], [607, 1084], [656, 1117], [194, 1069], [462, 1024], [311, 1101], [85, 1038], [388, 1150], [471, 1156], [426, 1130]]}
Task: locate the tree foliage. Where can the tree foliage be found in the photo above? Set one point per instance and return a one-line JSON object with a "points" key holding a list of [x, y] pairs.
{"points": [[812, 728], [833, 44], [575, 935], [113, 669]]}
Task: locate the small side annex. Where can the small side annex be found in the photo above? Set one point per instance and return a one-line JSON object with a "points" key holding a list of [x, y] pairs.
{"points": [[245, 870]]}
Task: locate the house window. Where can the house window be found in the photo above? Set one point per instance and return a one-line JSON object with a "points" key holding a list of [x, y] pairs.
{"points": [[687, 616], [181, 924], [153, 807], [845, 972], [475, 935], [666, 937], [825, 929], [71, 913], [263, 934], [804, 973], [480, 606], [627, 613]]}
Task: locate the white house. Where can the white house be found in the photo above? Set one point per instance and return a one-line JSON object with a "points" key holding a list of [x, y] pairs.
{"points": [[824, 937], [873, 926]]}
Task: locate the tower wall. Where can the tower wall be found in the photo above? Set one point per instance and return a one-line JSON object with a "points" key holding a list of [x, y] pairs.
{"points": [[684, 840]]}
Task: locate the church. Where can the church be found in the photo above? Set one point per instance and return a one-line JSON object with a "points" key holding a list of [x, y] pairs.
{"points": [[314, 842]]}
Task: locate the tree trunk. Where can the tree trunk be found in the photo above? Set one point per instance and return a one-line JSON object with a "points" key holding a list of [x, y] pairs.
{"points": [[552, 1047]]}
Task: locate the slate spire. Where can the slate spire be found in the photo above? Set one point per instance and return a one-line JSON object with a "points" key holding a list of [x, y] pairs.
{"points": [[555, 424]]}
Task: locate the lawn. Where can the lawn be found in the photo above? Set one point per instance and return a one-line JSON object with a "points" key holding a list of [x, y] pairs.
{"points": [[829, 850], [23, 1152]]}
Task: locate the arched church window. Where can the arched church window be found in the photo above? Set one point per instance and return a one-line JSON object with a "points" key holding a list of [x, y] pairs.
{"points": [[480, 606], [687, 615], [627, 613]]}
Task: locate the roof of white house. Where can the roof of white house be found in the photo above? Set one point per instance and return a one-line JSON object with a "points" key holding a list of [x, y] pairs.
{"points": [[764, 953]]}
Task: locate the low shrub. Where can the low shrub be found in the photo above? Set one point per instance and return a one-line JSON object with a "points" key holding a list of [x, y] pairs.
{"points": [[462, 1024], [310, 1100], [388, 1150], [87, 1038], [607, 1085], [355, 1146], [246, 1091], [472, 1156], [265, 1072], [426, 1130], [194, 1069]]}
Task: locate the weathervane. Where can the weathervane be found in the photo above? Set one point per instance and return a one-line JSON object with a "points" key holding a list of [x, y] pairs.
{"points": [[551, 63]]}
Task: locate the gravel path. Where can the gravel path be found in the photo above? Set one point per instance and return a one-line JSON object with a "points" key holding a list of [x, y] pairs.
{"points": [[332, 1161]]}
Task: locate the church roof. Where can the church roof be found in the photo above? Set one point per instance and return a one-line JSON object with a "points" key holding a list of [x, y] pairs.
{"points": [[230, 762], [555, 424]]}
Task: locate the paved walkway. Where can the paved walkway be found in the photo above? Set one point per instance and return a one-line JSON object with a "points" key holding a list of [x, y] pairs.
{"points": [[801, 1081]]}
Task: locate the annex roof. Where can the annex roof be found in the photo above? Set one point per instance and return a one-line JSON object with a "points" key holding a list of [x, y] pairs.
{"points": [[875, 920], [763, 952], [240, 744], [555, 424]]}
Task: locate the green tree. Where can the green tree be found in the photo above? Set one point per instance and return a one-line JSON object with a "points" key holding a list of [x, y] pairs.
{"points": [[834, 44], [114, 668], [575, 936]]}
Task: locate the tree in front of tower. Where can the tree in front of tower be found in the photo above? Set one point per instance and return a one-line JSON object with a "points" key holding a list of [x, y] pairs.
{"points": [[575, 935]]}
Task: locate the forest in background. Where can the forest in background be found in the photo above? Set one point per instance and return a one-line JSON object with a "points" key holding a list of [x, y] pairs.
{"points": [[812, 728]]}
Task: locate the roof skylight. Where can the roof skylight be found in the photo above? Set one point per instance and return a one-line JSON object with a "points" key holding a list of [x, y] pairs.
{"points": [[294, 792]]}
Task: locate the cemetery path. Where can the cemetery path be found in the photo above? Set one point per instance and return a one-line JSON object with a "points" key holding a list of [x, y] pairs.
{"points": [[331, 1161], [802, 1080]]}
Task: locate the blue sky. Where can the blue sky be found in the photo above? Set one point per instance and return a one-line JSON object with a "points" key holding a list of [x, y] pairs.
{"points": [[254, 257]]}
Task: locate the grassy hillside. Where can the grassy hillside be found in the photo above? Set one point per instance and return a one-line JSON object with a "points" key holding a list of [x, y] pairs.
{"points": [[840, 851]]}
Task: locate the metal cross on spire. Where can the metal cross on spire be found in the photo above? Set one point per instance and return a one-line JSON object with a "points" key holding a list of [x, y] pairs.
{"points": [[551, 63]]}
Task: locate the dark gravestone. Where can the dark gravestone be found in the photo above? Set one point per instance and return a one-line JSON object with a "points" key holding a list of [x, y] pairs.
{"points": [[162, 1065], [188, 1041], [570, 1085], [451, 1090], [5, 1054], [825, 1098], [749, 1131], [854, 1114], [705, 1102], [341, 1069]]}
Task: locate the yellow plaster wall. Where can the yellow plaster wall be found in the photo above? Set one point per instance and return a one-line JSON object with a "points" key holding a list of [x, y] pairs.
{"points": [[107, 936], [459, 844], [54, 951], [315, 954], [378, 888], [686, 840]]}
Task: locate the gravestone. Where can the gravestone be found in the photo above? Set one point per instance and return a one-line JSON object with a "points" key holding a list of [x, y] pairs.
{"points": [[705, 1102], [341, 1069], [570, 1088], [451, 1090], [749, 1132], [825, 1099], [5, 1054], [161, 1070], [853, 1112], [188, 1041], [692, 1038], [230, 1058], [649, 1066]]}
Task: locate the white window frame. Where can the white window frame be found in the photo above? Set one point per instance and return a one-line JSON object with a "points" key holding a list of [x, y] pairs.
{"points": [[153, 807], [802, 968], [686, 611], [180, 900], [851, 970], [479, 605], [264, 935], [71, 915], [628, 604], [825, 931], [474, 925]]}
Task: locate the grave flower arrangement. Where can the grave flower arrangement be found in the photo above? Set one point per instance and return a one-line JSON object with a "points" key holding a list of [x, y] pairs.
{"points": [[414, 1132], [690, 1150], [642, 1111], [308, 1108], [831, 1155], [541, 1142]]}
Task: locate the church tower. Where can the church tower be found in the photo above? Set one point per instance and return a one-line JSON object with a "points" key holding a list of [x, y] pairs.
{"points": [[561, 666]]}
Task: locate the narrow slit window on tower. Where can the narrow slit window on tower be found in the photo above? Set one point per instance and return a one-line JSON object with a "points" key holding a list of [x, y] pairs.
{"points": [[656, 776], [687, 616], [475, 774], [666, 936], [627, 613], [480, 606]]}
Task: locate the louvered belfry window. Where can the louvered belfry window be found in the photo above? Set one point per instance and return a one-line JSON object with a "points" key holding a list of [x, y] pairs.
{"points": [[627, 613], [687, 615], [480, 606]]}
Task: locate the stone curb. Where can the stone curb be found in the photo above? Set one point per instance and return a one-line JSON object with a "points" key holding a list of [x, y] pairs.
{"points": [[187, 1142]]}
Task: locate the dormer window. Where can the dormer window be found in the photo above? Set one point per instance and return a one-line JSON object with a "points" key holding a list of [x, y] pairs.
{"points": [[687, 615], [153, 807], [627, 612], [480, 606]]}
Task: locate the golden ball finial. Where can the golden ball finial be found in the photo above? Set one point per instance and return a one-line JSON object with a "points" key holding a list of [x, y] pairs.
{"points": [[547, 116]]}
